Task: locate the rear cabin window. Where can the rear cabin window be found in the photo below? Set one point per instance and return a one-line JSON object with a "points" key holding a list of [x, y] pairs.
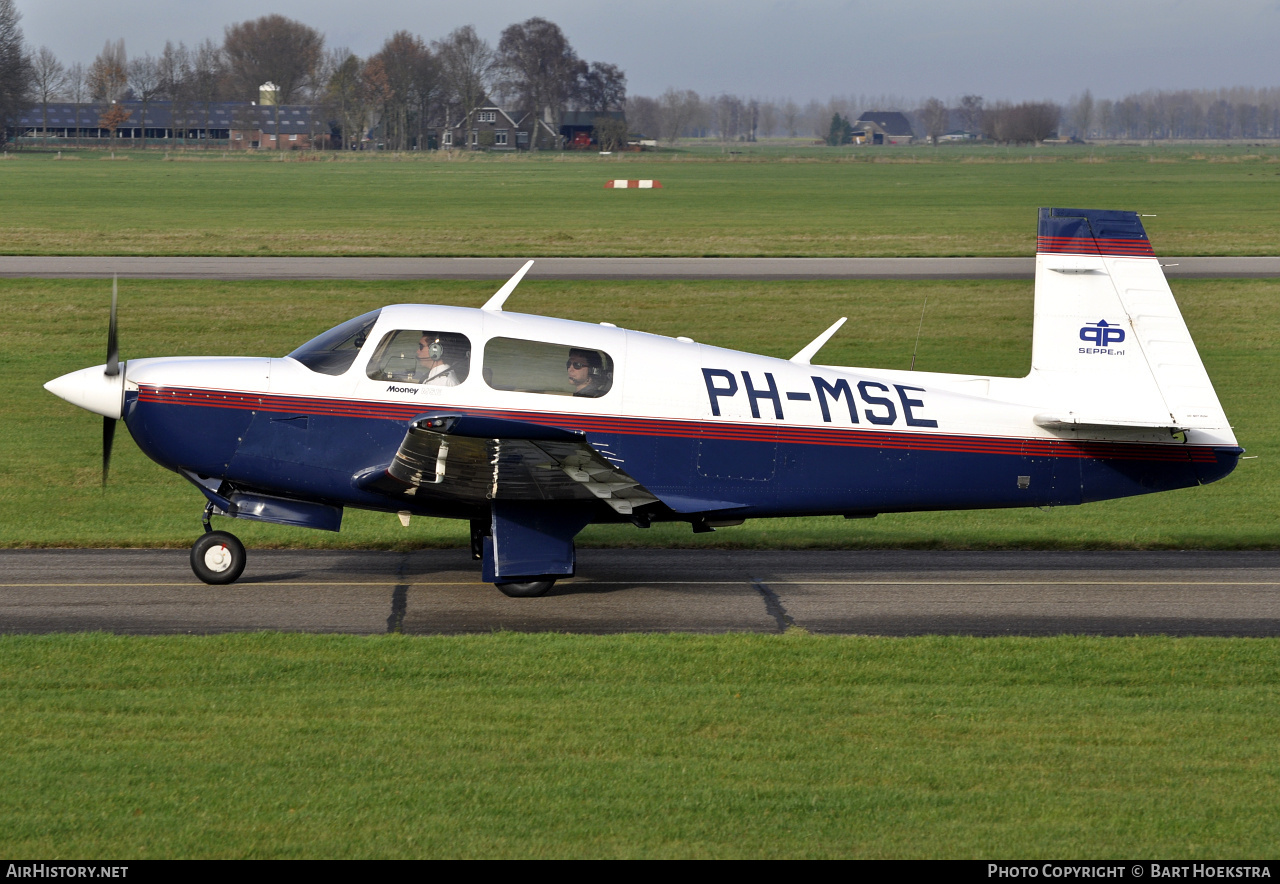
{"points": [[335, 350], [555, 369], [422, 356]]}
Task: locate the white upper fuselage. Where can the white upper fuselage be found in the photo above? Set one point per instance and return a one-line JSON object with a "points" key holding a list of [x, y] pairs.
{"points": [[660, 378]]}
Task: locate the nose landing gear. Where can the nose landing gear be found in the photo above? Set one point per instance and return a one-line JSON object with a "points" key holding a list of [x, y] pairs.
{"points": [[218, 557]]}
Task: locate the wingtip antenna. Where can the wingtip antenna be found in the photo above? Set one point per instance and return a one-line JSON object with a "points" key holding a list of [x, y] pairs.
{"points": [[811, 350], [495, 303]]}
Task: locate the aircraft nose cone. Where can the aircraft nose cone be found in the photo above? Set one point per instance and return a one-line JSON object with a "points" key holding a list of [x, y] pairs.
{"points": [[92, 390]]}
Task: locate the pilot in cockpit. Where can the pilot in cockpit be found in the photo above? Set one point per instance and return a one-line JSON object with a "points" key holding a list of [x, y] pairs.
{"points": [[433, 369]]}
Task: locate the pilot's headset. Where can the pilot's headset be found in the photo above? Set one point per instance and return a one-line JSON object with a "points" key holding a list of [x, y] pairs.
{"points": [[595, 366], [435, 349]]}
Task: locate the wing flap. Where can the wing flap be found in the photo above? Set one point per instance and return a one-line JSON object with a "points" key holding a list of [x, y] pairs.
{"points": [[471, 459]]}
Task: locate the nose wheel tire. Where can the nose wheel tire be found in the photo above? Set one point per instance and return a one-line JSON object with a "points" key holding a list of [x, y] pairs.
{"points": [[218, 558], [526, 590]]}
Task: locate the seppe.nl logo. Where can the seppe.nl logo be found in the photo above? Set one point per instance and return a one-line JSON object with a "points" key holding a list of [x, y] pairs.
{"points": [[1102, 335]]}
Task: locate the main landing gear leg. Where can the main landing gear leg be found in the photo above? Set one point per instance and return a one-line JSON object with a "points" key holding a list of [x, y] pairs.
{"points": [[218, 557], [529, 545]]}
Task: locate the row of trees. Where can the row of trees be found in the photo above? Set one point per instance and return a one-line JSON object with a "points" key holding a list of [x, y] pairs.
{"points": [[1188, 113], [683, 113], [408, 86], [411, 85], [1185, 114]]}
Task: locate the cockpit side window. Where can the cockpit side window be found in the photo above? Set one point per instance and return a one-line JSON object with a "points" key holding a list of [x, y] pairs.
{"points": [[335, 350], [538, 367], [422, 356]]}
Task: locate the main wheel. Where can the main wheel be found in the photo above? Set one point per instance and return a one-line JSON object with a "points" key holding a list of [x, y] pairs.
{"points": [[527, 590], [218, 558]]}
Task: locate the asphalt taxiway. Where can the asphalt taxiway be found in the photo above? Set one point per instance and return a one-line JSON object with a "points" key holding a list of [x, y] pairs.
{"points": [[232, 268], [881, 592], [703, 591]]}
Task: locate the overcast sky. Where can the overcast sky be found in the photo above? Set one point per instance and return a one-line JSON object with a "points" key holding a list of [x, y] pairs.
{"points": [[802, 49]]}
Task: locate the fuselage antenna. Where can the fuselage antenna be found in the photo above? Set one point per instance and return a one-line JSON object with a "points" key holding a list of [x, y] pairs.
{"points": [[918, 330]]}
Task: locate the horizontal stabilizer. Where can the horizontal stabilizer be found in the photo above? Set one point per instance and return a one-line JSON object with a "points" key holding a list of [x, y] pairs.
{"points": [[1051, 421]]}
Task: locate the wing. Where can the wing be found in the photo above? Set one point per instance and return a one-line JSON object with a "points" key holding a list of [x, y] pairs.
{"points": [[476, 459]]}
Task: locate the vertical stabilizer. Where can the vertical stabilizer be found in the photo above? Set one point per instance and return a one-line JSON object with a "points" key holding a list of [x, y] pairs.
{"points": [[1109, 339]]}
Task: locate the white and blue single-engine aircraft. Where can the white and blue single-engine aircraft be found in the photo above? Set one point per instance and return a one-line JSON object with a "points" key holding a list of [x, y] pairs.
{"points": [[532, 428]]}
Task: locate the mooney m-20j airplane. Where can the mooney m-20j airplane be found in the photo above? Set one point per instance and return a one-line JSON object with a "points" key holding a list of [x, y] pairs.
{"points": [[532, 428]]}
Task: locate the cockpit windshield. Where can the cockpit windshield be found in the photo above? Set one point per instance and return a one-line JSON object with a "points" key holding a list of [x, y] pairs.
{"points": [[335, 350]]}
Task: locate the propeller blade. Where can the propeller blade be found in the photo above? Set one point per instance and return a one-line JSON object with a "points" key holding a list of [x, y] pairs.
{"points": [[108, 436], [113, 347]]}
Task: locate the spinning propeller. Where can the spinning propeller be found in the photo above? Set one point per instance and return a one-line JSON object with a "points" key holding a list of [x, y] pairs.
{"points": [[99, 389], [111, 370]]}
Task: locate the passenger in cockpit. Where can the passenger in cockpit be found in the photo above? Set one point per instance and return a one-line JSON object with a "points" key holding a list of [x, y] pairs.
{"points": [[587, 373]]}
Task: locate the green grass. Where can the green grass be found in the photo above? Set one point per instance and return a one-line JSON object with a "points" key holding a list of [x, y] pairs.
{"points": [[49, 453], [637, 746], [768, 200]]}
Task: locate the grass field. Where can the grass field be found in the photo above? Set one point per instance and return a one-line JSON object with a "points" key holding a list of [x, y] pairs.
{"points": [[512, 745], [49, 454], [790, 200], [638, 746]]}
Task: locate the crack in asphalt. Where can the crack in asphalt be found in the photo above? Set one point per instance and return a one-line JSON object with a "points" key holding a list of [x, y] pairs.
{"points": [[399, 596], [773, 605]]}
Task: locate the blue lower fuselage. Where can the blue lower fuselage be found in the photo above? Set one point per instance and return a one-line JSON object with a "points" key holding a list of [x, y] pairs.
{"points": [[311, 450]]}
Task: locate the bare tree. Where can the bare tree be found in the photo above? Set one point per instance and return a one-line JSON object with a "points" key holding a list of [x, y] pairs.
{"points": [[145, 81], [731, 117], [1029, 122], [467, 65], [272, 49], [679, 110], [109, 73], [343, 95], [644, 115], [398, 69], [1080, 114], [15, 67], [768, 119], [427, 90], [375, 90], [934, 117], [540, 68], [48, 78], [77, 90], [997, 122], [1042, 119], [1105, 116], [207, 70], [790, 117], [971, 113], [175, 67]]}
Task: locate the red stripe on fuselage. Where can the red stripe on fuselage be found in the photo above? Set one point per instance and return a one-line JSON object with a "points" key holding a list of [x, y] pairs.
{"points": [[1084, 245], [849, 437]]}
